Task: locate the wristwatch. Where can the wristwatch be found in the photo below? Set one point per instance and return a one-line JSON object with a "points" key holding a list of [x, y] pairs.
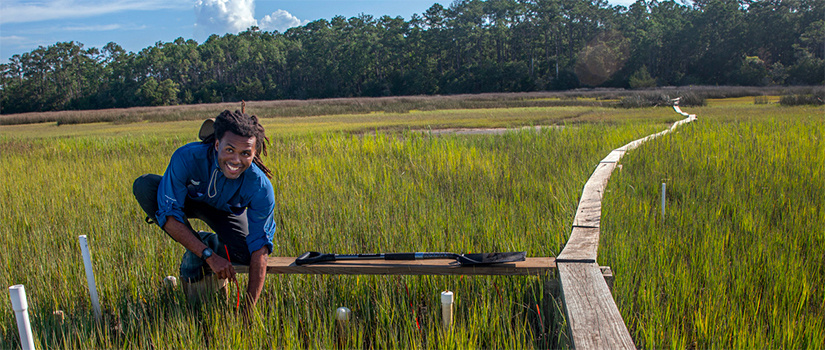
{"points": [[206, 253]]}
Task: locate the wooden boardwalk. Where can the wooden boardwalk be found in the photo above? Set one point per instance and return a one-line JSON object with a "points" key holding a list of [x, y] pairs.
{"points": [[592, 315], [593, 318]]}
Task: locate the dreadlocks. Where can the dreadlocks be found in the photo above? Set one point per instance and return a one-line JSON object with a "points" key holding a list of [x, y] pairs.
{"points": [[245, 125]]}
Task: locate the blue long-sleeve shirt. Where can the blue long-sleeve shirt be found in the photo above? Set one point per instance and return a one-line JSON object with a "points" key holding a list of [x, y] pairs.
{"points": [[193, 172]]}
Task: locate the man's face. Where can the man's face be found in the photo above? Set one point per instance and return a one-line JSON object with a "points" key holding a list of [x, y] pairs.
{"points": [[235, 154]]}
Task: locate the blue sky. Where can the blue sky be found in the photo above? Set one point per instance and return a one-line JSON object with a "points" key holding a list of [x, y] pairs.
{"points": [[136, 24]]}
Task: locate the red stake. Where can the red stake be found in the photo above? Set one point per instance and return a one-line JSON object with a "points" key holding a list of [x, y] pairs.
{"points": [[238, 288]]}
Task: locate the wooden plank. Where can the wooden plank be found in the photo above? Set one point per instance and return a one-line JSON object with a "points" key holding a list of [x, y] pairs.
{"points": [[633, 144], [636, 143], [583, 245], [589, 214], [598, 180], [286, 265], [690, 118], [589, 211], [614, 156], [678, 110], [592, 315]]}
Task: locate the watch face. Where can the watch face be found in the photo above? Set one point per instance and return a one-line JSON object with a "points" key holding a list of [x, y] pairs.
{"points": [[206, 253]]}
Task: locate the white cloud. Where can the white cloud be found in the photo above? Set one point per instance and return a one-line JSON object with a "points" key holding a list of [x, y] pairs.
{"points": [[16, 44], [93, 28], [234, 16], [223, 16], [281, 21], [15, 11], [12, 39]]}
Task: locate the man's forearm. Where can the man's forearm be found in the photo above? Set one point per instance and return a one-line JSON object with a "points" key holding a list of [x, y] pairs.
{"points": [[257, 274], [183, 235]]}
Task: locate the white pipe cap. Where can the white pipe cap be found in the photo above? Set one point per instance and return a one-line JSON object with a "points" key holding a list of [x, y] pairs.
{"points": [[171, 281], [447, 297], [18, 298], [342, 313]]}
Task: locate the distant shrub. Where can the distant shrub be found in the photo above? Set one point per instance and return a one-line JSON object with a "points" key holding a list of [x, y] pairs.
{"points": [[817, 99], [734, 91], [655, 99], [644, 100], [692, 99], [641, 79]]}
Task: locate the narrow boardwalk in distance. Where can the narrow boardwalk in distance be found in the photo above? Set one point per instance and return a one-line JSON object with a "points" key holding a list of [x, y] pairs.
{"points": [[593, 318], [592, 315]]}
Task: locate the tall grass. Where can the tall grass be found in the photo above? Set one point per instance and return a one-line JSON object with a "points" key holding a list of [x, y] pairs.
{"points": [[738, 260], [336, 192], [692, 96], [306, 108], [362, 123], [814, 97]]}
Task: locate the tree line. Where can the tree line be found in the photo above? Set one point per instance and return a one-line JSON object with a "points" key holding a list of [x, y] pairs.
{"points": [[471, 46]]}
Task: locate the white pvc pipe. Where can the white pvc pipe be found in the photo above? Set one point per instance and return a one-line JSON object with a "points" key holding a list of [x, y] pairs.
{"points": [[663, 200], [90, 275], [446, 308], [342, 316], [21, 306], [171, 282]]}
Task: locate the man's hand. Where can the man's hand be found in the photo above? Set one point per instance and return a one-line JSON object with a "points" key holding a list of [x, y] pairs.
{"points": [[257, 274], [185, 236], [221, 267]]}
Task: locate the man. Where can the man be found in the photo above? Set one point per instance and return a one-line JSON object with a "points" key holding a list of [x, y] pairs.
{"points": [[223, 182]]}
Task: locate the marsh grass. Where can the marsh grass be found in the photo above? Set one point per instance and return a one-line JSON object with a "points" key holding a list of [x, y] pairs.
{"points": [[337, 191], [360, 123], [692, 96], [761, 100], [738, 260], [815, 97], [307, 108]]}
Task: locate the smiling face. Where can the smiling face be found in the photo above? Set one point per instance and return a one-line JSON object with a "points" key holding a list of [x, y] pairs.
{"points": [[235, 154]]}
